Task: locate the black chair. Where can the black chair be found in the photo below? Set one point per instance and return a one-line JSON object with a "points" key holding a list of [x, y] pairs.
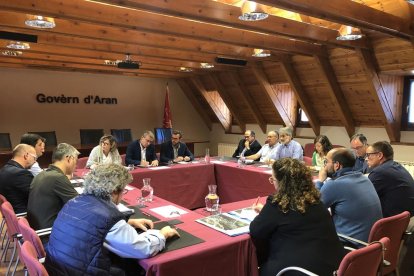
{"points": [[162, 135], [122, 135], [90, 136], [5, 143], [50, 137]]}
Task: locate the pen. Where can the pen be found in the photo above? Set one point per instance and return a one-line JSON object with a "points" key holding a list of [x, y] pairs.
{"points": [[145, 214], [257, 200]]}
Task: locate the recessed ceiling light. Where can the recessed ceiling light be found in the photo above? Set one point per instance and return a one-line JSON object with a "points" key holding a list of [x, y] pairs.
{"points": [[206, 65], [252, 12], [11, 53], [17, 45], [261, 53], [38, 21], [185, 69], [349, 33]]}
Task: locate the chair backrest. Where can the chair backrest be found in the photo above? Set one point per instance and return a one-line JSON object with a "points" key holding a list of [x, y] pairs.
{"points": [[81, 164], [123, 159], [162, 135], [122, 135], [30, 235], [309, 148], [364, 261], [394, 228], [11, 219], [90, 136], [28, 254], [5, 142], [50, 137]]}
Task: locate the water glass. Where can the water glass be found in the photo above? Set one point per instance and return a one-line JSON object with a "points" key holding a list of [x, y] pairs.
{"points": [[131, 167]]}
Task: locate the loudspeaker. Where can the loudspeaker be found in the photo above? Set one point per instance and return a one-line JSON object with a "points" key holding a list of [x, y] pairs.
{"points": [[231, 61], [18, 37], [128, 65]]}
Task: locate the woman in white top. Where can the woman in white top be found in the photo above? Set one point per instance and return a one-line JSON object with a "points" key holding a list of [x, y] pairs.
{"points": [[105, 153]]}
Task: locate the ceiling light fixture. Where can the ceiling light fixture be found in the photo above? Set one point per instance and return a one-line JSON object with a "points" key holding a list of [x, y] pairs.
{"points": [[38, 21], [206, 65], [261, 53], [128, 63], [17, 45], [252, 12], [349, 33], [185, 69], [11, 53], [410, 2], [112, 62]]}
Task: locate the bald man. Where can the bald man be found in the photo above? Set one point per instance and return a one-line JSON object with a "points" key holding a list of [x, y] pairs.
{"points": [[268, 151], [247, 146], [15, 178]]}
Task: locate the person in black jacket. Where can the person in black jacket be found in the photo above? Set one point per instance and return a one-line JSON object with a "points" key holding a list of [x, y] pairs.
{"points": [[142, 152], [175, 150], [247, 146]]}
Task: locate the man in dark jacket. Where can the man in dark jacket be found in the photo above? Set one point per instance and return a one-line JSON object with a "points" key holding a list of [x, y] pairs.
{"points": [[175, 150], [247, 146]]}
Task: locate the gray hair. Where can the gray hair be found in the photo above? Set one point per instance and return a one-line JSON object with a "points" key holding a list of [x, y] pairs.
{"points": [[62, 150], [148, 133], [106, 179], [286, 130]]}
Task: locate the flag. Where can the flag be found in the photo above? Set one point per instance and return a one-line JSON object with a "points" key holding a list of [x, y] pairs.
{"points": [[167, 123]]}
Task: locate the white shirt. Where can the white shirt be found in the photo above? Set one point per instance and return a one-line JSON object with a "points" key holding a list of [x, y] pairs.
{"points": [[267, 152], [35, 169]]}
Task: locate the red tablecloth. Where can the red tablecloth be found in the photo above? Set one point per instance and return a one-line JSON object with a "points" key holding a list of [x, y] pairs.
{"points": [[236, 184], [219, 255]]}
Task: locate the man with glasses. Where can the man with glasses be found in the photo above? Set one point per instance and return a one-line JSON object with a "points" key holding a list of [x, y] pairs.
{"points": [[247, 146], [354, 203], [51, 189], [268, 152], [38, 142], [393, 183], [359, 144], [142, 152], [15, 178], [175, 150]]}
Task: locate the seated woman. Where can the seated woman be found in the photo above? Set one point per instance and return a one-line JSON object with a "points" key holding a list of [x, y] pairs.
{"points": [[322, 147], [105, 153], [294, 224]]}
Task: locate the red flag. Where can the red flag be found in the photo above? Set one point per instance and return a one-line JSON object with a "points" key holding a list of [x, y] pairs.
{"points": [[167, 123]]}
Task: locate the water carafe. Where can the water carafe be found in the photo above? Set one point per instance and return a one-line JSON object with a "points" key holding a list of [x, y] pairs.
{"points": [[212, 199], [207, 157], [147, 191]]}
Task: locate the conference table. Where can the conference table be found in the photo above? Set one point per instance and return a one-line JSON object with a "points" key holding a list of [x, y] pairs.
{"points": [[218, 255]]}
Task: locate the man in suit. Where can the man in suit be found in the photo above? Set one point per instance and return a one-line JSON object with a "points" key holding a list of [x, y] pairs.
{"points": [[393, 183], [142, 152], [359, 145], [247, 146], [175, 150], [15, 178]]}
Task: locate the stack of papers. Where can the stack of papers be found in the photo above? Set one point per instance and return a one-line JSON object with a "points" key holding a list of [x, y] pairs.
{"points": [[125, 210], [169, 211], [226, 223]]}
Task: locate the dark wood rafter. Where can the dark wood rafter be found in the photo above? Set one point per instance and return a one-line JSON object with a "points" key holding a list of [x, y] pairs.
{"points": [[248, 99], [391, 123], [348, 12], [336, 94], [193, 99], [228, 101], [272, 95], [303, 100], [221, 116]]}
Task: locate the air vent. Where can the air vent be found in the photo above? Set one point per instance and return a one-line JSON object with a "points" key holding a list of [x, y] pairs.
{"points": [[18, 37], [231, 61]]}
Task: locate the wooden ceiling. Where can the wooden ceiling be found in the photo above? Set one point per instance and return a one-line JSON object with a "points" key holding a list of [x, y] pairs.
{"points": [[346, 83]]}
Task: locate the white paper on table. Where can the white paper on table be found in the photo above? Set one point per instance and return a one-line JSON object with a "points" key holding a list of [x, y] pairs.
{"points": [[158, 168], [79, 190], [129, 188], [217, 162], [263, 166], [268, 171], [195, 162], [182, 162], [77, 181], [123, 209], [169, 211]]}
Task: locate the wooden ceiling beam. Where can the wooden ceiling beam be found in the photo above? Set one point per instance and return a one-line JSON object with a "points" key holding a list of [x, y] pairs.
{"points": [[391, 123], [248, 99], [305, 104], [348, 12], [193, 100], [336, 94], [272, 95], [223, 119], [228, 100]]}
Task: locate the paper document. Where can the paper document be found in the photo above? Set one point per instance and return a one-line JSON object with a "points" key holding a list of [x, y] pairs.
{"points": [[226, 224], [169, 211], [123, 209], [77, 181], [217, 162], [158, 168], [79, 190], [245, 213]]}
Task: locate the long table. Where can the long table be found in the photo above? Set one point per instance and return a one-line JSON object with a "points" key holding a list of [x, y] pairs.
{"points": [[219, 255]]}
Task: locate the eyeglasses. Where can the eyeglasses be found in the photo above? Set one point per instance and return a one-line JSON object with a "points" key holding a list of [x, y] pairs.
{"points": [[32, 155], [357, 148], [246, 137], [368, 154], [325, 162], [106, 143], [272, 180]]}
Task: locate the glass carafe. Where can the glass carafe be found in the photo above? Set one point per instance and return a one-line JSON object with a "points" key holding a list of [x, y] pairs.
{"points": [[212, 199], [147, 191], [207, 157]]}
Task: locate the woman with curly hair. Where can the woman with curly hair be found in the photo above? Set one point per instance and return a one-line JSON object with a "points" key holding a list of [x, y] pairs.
{"points": [[322, 147], [294, 224]]}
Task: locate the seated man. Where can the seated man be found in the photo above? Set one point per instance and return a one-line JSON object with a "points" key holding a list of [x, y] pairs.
{"points": [[354, 204], [90, 227], [175, 150], [142, 151], [51, 188], [268, 151], [38, 142], [393, 183], [15, 177], [359, 145], [247, 146], [288, 147]]}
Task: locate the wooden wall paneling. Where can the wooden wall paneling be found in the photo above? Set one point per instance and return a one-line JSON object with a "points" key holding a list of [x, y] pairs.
{"points": [[303, 100], [381, 98], [183, 83], [247, 98], [287, 98], [230, 103], [336, 94], [268, 90]]}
